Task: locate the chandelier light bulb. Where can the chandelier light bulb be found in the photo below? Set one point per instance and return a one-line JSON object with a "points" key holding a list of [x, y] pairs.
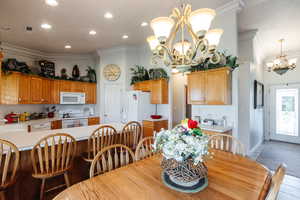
{"points": [[51, 2], [153, 42], [277, 61], [293, 61], [213, 36], [182, 47], [162, 27], [200, 20]]}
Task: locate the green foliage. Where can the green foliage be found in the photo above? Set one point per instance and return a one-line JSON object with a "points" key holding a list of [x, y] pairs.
{"points": [[140, 73], [226, 60]]}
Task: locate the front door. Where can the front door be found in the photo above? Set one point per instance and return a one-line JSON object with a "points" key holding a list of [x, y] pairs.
{"points": [[284, 113], [112, 103]]}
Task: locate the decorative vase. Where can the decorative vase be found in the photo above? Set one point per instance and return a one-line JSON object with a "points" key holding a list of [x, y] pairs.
{"points": [[185, 174]]}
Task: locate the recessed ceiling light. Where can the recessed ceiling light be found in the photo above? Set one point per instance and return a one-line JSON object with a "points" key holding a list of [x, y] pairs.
{"points": [[144, 24], [92, 32], [125, 36], [51, 2], [46, 26], [108, 15], [68, 47]]}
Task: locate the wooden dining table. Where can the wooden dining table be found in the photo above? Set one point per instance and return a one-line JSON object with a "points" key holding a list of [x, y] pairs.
{"points": [[229, 177]]}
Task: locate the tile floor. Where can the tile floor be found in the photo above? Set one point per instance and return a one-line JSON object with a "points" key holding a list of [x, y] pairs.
{"points": [[290, 189]]}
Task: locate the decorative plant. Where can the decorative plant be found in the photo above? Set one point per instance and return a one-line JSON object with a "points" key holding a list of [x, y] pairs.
{"points": [[186, 141], [139, 73], [158, 73], [226, 60]]}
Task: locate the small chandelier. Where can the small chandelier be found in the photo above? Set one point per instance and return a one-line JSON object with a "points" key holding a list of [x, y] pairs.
{"points": [[281, 64], [185, 53]]}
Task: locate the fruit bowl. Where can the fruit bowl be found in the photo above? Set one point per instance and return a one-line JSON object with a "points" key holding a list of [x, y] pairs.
{"points": [[156, 116]]}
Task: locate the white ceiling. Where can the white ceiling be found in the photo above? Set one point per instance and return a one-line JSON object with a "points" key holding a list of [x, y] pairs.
{"points": [[274, 19], [71, 21]]}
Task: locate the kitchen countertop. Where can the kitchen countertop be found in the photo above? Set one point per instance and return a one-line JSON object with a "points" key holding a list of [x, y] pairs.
{"points": [[219, 129], [46, 120], [25, 141]]}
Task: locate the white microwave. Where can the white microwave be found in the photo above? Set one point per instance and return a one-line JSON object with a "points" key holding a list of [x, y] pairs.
{"points": [[72, 98]]}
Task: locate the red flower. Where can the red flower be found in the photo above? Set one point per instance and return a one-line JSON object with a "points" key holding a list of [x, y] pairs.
{"points": [[192, 124]]}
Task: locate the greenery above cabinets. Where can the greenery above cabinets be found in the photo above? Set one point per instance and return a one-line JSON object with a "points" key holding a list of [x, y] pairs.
{"points": [[140, 73]]}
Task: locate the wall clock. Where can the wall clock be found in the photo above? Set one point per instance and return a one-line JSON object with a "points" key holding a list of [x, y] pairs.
{"points": [[112, 72]]}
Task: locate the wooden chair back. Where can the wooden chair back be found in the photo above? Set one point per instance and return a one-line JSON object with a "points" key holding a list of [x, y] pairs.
{"points": [[226, 143], [276, 181], [101, 137], [53, 154], [131, 134], [9, 163], [110, 158], [145, 149]]}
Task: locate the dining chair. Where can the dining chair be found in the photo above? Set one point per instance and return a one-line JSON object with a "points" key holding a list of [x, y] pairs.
{"points": [[144, 148], [9, 163], [52, 156], [226, 143], [101, 137], [276, 181], [110, 158], [131, 134]]}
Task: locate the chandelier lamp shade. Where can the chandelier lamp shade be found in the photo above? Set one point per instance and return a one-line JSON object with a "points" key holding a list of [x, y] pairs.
{"points": [[184, 39], [281, 64]]}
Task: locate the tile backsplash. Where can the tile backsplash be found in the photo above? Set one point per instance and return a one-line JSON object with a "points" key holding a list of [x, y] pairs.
{"points": [[214, 112]]}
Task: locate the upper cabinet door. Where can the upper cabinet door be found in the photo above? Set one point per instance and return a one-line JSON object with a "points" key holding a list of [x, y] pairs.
{"points": [[36, 85], [218, 87], [55, 92], [66, 86], [24, 89], [46, 91], [159, 92], [196, 87], [10, 88]]}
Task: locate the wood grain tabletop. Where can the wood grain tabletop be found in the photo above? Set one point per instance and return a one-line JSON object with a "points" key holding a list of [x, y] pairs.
{"points": [[229, 177]]}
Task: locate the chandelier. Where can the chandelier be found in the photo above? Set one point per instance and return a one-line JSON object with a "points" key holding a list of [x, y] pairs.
{"points": [[281, 64], [171, 45]]}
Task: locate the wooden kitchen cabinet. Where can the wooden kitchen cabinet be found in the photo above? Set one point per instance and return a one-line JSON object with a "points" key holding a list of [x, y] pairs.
{"points": [[159, 90], [216, 133], [55, 92], [36, 93], [65, 86], [10, 88], [93, 121], [211, 87], [24, 89], [57, 124], [150, 126], [46, 91], [90, 93], [18, 88], [196, 87]]}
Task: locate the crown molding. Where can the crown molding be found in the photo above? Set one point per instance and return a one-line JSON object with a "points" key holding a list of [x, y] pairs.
{"points": [[35, 54], [232, 6]]}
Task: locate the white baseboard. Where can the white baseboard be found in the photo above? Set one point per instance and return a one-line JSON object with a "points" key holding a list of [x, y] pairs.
{"points": [[255, 148]]}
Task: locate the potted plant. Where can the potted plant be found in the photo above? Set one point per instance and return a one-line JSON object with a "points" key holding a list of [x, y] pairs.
{"points": [[184, 150]]}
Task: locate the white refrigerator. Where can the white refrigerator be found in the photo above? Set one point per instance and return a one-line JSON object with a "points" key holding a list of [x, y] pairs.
{"points": [[138, 106]]}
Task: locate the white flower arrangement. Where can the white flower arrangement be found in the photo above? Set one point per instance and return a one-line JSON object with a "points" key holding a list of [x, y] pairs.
{"points": [[185, 141]]}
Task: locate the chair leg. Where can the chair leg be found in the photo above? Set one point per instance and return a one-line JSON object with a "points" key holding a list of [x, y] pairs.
{"points": [[67, 179], [2, 195], [42, 189]]}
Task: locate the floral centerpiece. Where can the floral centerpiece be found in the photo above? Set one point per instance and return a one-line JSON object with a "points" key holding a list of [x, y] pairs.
{"points": [[184, 149]]}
